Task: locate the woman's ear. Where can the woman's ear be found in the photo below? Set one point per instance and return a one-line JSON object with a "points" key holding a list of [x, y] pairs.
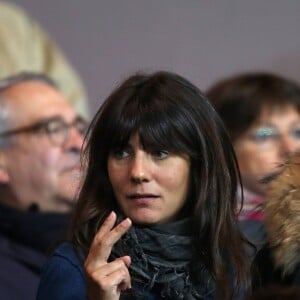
{"points": [[4, 177]]}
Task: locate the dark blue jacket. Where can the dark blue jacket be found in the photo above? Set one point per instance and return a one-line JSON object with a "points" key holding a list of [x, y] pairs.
{"points": [[63, 277], [20, 270], [26, 239]]}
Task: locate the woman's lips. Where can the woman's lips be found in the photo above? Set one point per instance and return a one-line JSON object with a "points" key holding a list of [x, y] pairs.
{"points": [[142, 198]]}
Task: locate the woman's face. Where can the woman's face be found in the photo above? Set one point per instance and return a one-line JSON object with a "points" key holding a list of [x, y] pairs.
{"points": [[150, 186], [266, 145]]}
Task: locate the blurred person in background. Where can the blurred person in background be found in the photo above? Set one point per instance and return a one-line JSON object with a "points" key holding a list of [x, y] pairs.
{"points": [[26, 47], [41, 136], [262, 114]]}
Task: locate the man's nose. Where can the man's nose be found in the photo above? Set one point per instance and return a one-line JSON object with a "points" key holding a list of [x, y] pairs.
{"points": [[75, 139]]}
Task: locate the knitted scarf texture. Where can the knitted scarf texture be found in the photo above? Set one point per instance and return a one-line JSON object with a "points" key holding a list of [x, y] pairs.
{"points": [[163, 257]]}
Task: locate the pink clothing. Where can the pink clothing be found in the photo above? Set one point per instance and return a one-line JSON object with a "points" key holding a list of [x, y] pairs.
{"points": [[252, 206]]}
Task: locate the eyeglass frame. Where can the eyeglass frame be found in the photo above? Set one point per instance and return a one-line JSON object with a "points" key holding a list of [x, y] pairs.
{"points": [[44, 125]]}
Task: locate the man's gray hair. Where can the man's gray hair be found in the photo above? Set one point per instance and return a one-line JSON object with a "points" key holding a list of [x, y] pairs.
{"points": [[9, 82]]}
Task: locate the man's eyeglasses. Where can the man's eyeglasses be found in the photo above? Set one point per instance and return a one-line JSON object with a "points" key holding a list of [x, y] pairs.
{"points": [[269, 136], [56, 129]]}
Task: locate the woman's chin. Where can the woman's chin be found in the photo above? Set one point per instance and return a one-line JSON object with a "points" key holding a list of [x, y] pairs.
{"points": [[142, 219], [145, 222]]}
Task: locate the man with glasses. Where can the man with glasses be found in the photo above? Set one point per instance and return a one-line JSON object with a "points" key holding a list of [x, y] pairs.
{"points": [[41, 137], [262, 114]]}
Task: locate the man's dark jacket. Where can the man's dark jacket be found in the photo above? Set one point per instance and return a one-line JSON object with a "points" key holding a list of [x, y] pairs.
{"points": [[26, 241]]}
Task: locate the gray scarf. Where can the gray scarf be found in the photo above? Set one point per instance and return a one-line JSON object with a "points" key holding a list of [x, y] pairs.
{"points": [[162, 257]]}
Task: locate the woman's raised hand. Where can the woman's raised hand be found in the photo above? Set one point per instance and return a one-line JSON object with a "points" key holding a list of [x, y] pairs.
{"points": [[106, 280]]}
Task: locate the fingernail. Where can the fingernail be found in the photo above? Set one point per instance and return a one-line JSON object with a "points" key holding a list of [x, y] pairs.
{"points": [[111, 214], [127, 222]]}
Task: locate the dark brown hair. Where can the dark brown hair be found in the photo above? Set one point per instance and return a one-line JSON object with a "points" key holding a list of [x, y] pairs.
{"points": [[170, 113], [240, 99]]}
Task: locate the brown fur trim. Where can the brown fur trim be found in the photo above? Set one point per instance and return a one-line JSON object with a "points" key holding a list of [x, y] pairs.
{"points": [[282, 215]]}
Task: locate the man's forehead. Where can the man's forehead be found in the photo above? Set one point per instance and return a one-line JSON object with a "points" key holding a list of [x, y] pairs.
{"points": [[35, 99], [31, 89]]}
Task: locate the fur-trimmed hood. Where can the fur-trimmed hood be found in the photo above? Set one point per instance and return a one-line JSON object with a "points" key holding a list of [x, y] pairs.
{"points": [[282, 216]]}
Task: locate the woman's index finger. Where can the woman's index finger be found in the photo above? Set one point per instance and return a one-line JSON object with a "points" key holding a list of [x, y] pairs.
{"points": [[107, 225], [102, 244]]}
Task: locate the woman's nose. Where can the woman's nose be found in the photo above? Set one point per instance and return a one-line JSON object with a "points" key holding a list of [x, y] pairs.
{"points": [[139, 171], [288, 145]]}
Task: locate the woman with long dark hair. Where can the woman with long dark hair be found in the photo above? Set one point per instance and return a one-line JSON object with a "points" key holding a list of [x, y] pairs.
{"points": [[156, 215]]}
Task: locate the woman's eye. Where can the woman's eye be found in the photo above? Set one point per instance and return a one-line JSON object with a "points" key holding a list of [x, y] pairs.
{"points": [[160, 154], [265, 134], [120, 153]]}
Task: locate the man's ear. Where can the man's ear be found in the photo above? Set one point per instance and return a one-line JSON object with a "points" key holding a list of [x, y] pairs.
{"points": [[4, 177]]}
